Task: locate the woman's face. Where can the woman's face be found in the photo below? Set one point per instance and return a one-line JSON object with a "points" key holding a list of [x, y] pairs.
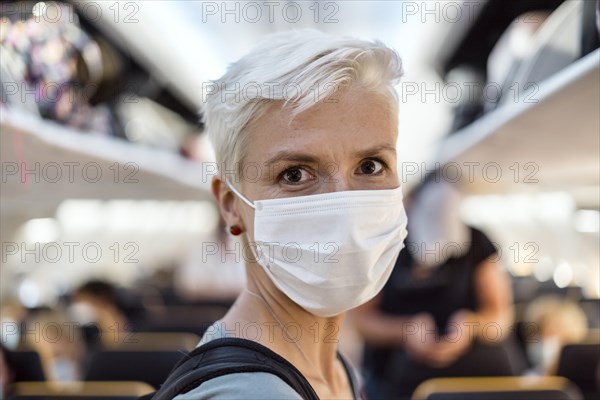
{"points": [[348, 143]]}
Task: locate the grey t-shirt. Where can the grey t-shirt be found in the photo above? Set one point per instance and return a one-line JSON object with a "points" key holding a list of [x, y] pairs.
{"points": [[246, 385]]}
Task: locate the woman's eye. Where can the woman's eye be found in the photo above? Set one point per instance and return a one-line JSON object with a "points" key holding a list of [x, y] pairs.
{"points": [[295, 176], [371, 167]]}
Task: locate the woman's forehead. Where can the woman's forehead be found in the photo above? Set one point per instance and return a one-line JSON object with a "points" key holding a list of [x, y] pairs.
{"points": [[356, 120]]}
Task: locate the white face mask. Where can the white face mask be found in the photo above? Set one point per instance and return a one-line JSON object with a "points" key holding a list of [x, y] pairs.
{"points": [[83, 313], [545, 352], [329, 252]]}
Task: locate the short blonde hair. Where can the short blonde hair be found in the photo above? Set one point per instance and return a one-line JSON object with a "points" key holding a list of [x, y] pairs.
{"points": [[300, 68], [558, 316]]}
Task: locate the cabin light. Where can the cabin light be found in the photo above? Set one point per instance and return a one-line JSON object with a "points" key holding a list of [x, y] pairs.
{"points": [[563, 274], [587, 221], [41, 230], [29, 293], [544, 269], [144, 216]]}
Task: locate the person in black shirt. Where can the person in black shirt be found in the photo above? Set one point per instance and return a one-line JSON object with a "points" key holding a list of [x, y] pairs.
{"points": [[447, 295]]}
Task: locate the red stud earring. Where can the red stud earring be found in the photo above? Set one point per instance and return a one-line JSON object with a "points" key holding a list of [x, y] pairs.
{"points": [[235, 230]]}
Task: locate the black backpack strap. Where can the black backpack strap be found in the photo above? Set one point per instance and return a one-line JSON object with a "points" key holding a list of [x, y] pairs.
{"points": [[350, 374], [229, 356]]}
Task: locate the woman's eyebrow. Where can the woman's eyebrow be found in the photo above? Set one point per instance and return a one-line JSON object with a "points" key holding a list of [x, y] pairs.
{"points": [[286, 155], [375, 150]]}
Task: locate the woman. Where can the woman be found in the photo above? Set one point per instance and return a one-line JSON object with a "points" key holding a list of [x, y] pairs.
{"points": [[304, 129], [559, 321], [447, 307]]}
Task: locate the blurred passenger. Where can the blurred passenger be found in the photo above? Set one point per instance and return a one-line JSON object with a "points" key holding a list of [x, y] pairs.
{"points": [[103, 306], [446, 293], [58, 341], [558, 321], [158, 289], [12, 315]]}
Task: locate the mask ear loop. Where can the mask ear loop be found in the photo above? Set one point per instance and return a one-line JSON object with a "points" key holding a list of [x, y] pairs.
{"points": [[245, 200], [234, 190]]}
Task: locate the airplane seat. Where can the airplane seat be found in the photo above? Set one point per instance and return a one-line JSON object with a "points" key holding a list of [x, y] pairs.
{"points": [[185, 318], [139, 356], [497, 388], [149, 366], [78, 390], [502, 359], [156, 341], [26, 365], [579, 363]]}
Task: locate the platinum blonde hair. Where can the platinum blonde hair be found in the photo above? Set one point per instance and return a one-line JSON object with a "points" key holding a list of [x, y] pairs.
{"points": [[299, 68]]}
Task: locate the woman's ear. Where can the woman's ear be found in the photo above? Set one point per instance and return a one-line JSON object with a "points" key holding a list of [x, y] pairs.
{"points": [[226, 202]]}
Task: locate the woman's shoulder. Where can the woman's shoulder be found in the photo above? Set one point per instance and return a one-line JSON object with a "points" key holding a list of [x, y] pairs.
{"points": [[241, 385], [481, 247], [245, 385]]}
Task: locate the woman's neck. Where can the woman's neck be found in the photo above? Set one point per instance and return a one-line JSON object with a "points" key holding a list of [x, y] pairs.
{"points": [[264, 314]]}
